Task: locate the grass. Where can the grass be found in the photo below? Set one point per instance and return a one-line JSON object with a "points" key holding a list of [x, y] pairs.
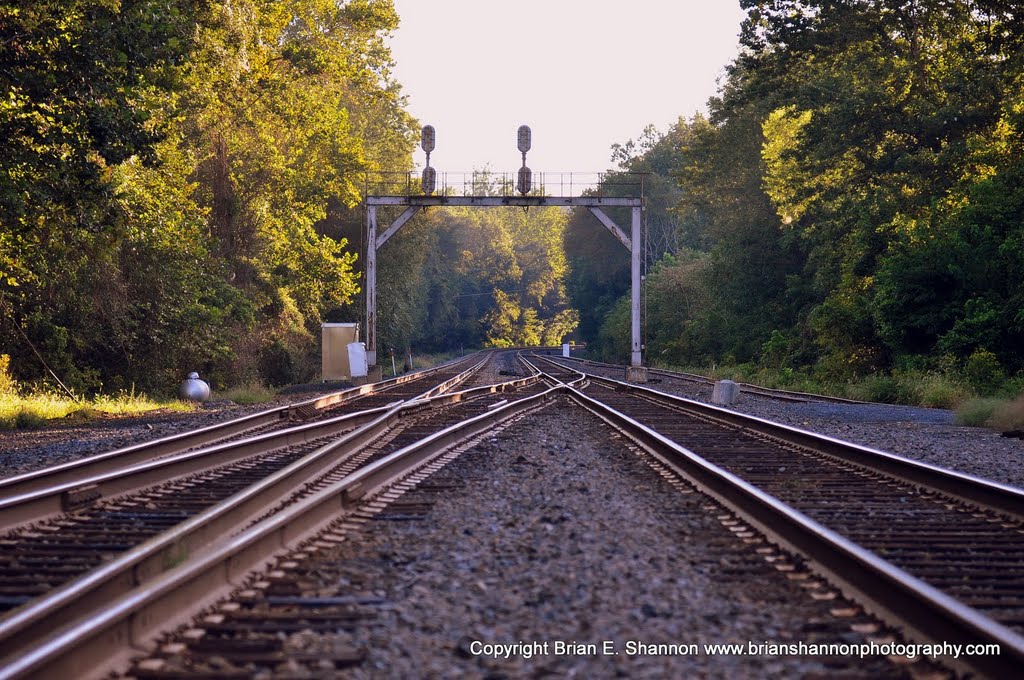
{"points": [[38, 409], [932, 389], [248, 394], [1001, 415], [977, 412], [911, 387], [1009, 415], [774, 378], [419, 361]]}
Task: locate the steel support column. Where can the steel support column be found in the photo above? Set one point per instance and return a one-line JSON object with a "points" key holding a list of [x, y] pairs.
{"points": [[635, 372], [371, 287], [637, 352]]}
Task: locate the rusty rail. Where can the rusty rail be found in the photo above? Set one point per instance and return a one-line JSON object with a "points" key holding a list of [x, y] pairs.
{"points": [[769, 392], [91, 466], [28, 624], [101, 640], [890, 592]]}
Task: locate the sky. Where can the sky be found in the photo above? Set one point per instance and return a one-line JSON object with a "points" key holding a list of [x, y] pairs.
{"points": [[583, 74]]}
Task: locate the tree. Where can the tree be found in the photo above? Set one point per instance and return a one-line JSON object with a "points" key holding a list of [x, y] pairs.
{"points": [[82, 80], [163, 203]]}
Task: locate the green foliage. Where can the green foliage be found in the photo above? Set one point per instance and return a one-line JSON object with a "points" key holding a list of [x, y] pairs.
{"points": [[1013, 387], [939, 391], [248, 394], [24, 419], [860, 195], [977, 412], [775, 350], [36, 408], [459, 278], [983, 372], [165, 181], [7, 383], [885, 389], [614, 338]]}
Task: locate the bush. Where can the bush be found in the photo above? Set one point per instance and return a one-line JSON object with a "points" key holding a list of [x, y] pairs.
{"points": [[938, 391], [977, 412], [277, 364], [7, 383], [1013, 387], [983, 372], [1008, 415], [884, 389], [82, 415], [248, 394], [29, 420], [21, 419]]}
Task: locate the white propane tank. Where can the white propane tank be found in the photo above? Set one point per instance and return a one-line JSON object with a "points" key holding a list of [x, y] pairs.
{"points": [[194, 389]]}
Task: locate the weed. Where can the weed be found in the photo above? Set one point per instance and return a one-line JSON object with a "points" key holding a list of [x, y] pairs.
{"points": [[983, 372], [82, 415], [1009, 415], [977, 412], [249, 394], [938, 391], [7, 382], [27, 419], [884, 389], [36, 408]]}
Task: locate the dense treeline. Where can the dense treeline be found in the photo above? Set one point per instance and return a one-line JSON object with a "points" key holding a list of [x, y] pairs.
{"points": [[180, 190], [180, 180], [165, 177], [853, 203], [458, 278]]}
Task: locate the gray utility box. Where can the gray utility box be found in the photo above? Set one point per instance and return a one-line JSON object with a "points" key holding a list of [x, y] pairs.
{"points": [[335, 339]]}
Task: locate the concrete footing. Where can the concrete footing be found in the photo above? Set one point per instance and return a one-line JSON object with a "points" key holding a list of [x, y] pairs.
{"points": [[374, 374], [725, 393], [636, 374]]}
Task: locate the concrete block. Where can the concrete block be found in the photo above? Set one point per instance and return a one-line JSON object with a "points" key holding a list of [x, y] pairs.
{"points": [[725, 393], [374, 374], [636, 374]]}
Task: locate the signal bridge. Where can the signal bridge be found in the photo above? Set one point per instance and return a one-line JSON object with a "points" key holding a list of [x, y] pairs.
{"points": [[593, 191]]}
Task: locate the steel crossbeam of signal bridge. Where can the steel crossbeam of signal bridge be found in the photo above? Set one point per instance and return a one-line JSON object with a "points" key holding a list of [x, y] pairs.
{"points": [[488, 189]]}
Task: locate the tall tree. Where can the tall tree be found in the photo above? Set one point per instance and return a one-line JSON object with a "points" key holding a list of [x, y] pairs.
{"points": [[194, 148]]}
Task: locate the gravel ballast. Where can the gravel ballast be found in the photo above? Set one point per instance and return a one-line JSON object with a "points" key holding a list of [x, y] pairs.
{"points": [[558, 533], [554, 536], [27, 450], [924, 434]]}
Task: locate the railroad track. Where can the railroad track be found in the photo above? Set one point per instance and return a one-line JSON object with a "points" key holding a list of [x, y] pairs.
{"points": [[833, 504], [939, 553], [201, 510], [421, 383], [694, 378], [52, 491]]}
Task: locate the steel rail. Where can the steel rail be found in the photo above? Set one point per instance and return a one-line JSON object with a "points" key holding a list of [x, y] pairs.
{"points": [[102, 463], [452, 382], [25, 626], [884, 589], [527, 359], [111, 476], [94, 644], [770, 392], [52, 501], [999, 497]]}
